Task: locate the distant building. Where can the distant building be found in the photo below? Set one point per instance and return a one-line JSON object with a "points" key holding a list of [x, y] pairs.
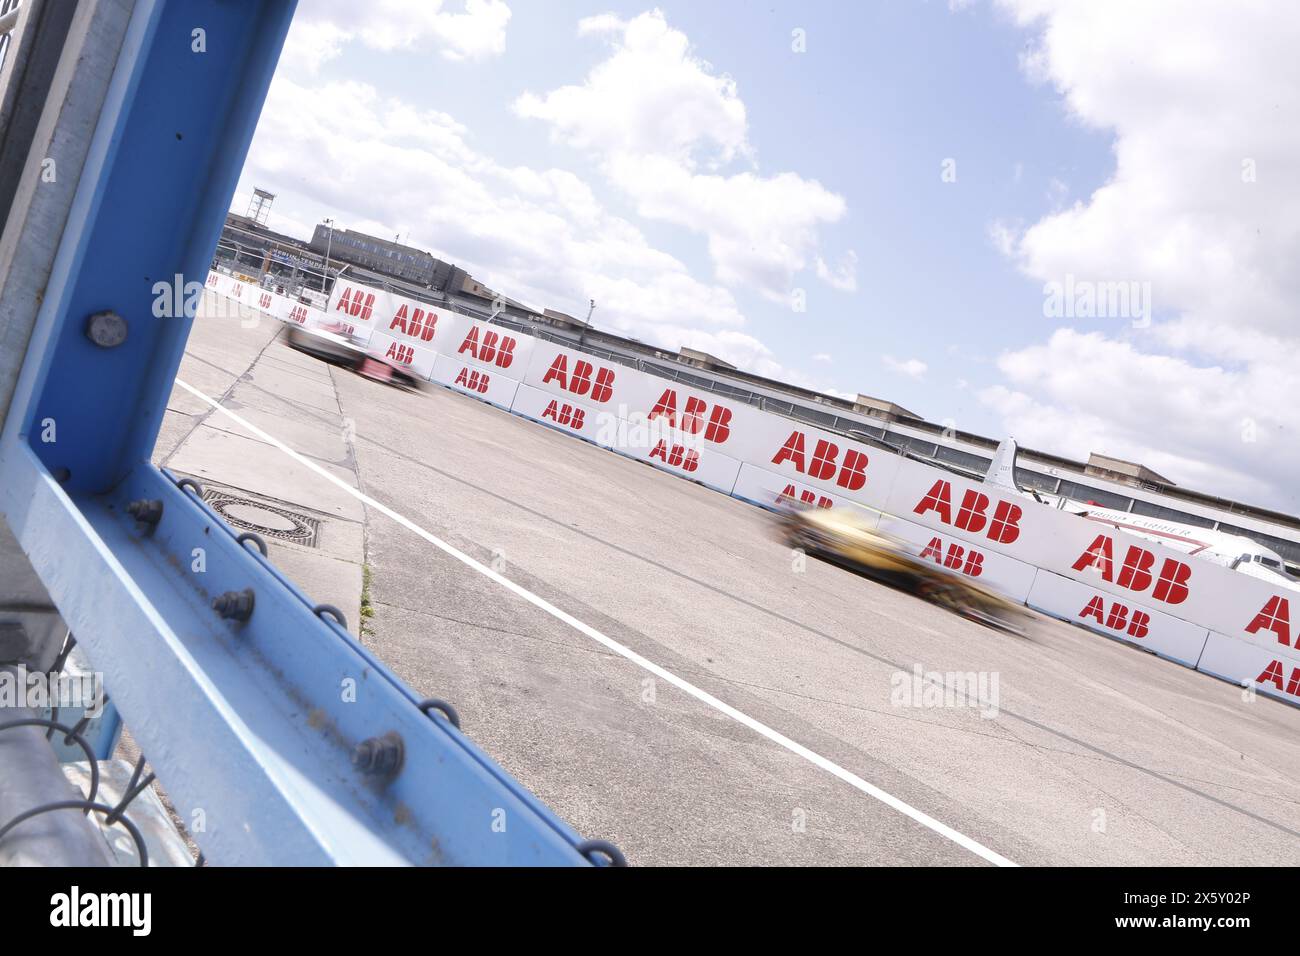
{"points": [[703, 359], [471, 286], [1123, 472], [879, 408], [564, 319], [388, 258]]}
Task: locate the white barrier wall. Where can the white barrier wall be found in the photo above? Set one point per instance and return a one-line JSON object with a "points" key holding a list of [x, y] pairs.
{"points": [[829, 463], [1122, 618], [577, 376], [1121, 585], [769, 490], [1275, 673], [416, 359], [474, 380], [997, 571], [562, 413]]}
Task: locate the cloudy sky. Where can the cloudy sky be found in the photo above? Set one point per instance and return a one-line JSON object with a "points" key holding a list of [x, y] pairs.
{"points": [[914, 200]]}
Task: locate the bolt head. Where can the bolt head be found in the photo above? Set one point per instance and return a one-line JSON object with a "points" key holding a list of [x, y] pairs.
{"points": [[106, 329], [234, 605], [146, 510], [379, 756]]}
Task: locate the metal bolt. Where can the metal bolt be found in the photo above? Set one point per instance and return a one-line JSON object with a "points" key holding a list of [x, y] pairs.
{"points": [[146, 511], [379, 755], [234, 605], [106, 329]]}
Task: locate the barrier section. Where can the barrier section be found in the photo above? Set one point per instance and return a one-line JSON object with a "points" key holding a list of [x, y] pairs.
{"points": [[576, 375], [278, 306], [1275, 673], [1095, 554], [704, 465], [417, 323], [1263, 648], [407, 320], [417, 359], [358, 305], [994, 519], [499, 351], [1134, 623], [824, 461], [566, 415], [768, 490], [996, 571], [474, 380], [698, 418]]}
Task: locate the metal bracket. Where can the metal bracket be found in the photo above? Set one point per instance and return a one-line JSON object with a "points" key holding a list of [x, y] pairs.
{"points": [[252, 724]]}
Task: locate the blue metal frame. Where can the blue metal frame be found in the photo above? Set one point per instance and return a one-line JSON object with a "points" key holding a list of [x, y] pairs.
{"points": [[245, 722]]}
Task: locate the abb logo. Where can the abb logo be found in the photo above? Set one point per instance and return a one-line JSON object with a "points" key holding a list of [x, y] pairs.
{"points": [[1273, 675], [1117, 618], [498, 350], [1275, 616], [473, 380], [579, 382], [805, 496], [238, 290], [717, 429], [972, 513], [264, 301], [298, 313], [357, 303], [212, 280], [400, 353], [687, 459], [1135, 572], [853, 470], [416, 323], [565, 414], [973, 563]]}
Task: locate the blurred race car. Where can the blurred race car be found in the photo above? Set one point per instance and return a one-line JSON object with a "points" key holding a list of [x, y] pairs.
{"points": [[845, 536], [336, 344]]}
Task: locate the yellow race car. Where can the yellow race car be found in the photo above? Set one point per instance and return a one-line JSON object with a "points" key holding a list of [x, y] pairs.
{"points": [[847, 536]]}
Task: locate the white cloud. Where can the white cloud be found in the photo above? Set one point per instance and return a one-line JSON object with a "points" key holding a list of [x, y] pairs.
{"points": [[651, 97], [759, 230], [913, 368], [538, 235], [322, 28], [1004, 237], [1083, 392], [843, 277], [1202, 204], [822, 357], [664, 126]]}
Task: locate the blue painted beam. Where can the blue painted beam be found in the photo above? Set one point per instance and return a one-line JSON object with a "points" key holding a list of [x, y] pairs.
{"points": [[251, 725]]}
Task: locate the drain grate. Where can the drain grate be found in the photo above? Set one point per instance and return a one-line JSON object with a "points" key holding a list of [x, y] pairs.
{"points": [[268, 520]]}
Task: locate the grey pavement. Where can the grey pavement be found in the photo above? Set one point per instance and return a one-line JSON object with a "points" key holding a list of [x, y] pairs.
{"points": [[315, 532]]}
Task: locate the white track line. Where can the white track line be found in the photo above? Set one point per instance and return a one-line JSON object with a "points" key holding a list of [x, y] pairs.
{"points": [[758, 727]]}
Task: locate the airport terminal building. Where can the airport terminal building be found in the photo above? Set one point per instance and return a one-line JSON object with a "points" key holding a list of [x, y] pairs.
{"points": [[249, 248]]}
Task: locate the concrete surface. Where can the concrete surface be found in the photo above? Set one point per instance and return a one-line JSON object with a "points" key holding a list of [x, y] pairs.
{"points": [[1097, 754], [251, 371]]}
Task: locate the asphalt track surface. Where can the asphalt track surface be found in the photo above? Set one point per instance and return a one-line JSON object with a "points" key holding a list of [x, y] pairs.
{"points": [[1096, 753]]}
